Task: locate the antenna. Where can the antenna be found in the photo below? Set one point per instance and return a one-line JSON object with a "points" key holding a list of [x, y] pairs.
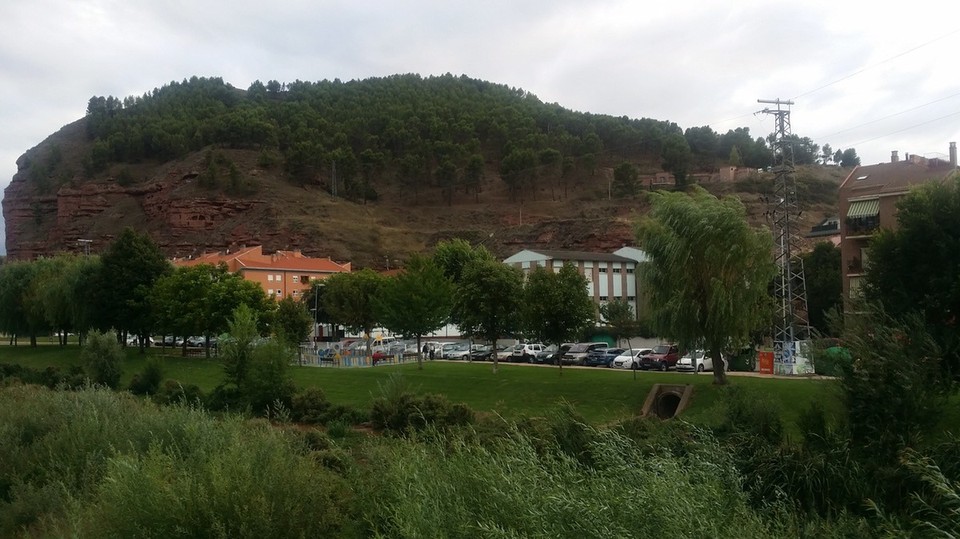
{"points": [[790, 289]]}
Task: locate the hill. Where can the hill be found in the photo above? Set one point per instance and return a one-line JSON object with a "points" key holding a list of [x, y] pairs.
{"points": [[363, 171]]}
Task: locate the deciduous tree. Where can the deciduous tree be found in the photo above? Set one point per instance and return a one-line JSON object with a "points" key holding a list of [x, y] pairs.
{"points": [[708, 271], [489, 301], [416, 301], [556, 308], [914, 270], [821, 268], [129, 268], [351, 300]]}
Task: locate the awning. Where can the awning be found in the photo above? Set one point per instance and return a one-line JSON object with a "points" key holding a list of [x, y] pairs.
{"points": [[864, 208]]}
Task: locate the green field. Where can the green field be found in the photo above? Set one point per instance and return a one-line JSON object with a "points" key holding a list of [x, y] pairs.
{"points": [[600, 395]]}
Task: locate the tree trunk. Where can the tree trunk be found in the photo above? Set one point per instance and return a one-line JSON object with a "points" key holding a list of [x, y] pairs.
{"points": [[719, 369], [419, 354], [496, 358]]}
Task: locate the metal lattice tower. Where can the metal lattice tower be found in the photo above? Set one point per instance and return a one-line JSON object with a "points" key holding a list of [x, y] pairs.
{"points": [[790, 291]]}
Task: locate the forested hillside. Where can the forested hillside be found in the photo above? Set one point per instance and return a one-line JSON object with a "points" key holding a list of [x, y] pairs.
{"points": [[403, 139]]}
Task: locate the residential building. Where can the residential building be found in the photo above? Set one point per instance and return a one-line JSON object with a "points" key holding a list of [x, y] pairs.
{"points": [[609, 276], [280, 274], [868, 202], [826, 230]]}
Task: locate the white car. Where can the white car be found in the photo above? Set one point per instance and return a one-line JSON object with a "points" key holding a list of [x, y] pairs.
{"points": [[697, 360], [630, 358]]}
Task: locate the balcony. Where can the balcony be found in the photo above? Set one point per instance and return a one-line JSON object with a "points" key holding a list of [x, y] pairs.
{"points": [[862, 226]]}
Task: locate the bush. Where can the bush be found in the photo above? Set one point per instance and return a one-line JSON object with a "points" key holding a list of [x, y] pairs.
{"points": [[267, 381], [102, 358], [309, 406], [398, 411], [174, 392], [148, 381]]}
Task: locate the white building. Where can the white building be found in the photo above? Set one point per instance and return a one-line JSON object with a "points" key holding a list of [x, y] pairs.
{"points": [[609, 276]]}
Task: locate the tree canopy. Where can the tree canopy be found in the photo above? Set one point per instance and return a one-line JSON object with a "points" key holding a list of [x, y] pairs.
{"points": [[416, 301], [708, 271], [351, 300], [488, 299], [556, 307], [913, 271]]}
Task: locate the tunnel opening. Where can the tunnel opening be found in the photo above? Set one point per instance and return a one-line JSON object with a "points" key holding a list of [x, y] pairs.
{"points": [[667, 405]]}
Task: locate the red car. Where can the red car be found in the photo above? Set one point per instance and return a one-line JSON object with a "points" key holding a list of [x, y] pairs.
{"points": [[661, 358]]}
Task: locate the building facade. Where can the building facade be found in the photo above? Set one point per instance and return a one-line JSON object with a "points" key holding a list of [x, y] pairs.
{"points": [[280, 274], [609, 276], [868, 202]]}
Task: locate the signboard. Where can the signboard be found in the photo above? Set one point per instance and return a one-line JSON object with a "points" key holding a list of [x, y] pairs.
{"points": [[765, 360]]}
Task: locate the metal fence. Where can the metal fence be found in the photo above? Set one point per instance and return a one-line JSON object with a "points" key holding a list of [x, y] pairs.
{"points": [[329, 357]]}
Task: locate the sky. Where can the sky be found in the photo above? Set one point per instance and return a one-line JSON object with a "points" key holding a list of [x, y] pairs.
{"points": [[862, 74]]}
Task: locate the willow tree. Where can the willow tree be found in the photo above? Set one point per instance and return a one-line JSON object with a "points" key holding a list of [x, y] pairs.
{"points": [[708, 272]]}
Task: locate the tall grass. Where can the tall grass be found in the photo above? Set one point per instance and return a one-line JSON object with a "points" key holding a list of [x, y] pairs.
{"points": [[444, 486], [104, 464]]}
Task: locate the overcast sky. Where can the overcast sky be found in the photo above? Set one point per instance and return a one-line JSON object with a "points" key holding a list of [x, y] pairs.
{"points": [[873, 78]]}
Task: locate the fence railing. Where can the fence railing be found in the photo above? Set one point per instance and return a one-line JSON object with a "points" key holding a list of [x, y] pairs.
{"points": [[326, 357]]}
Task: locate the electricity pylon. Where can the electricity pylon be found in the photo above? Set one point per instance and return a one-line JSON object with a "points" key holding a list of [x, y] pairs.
{"points": [[790, 292]]}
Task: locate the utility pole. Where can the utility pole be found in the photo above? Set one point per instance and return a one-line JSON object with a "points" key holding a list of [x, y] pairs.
{"points": [[791, 324]]}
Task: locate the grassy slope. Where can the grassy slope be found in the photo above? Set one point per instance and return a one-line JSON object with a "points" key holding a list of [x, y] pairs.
{"points": [[601, 395]]}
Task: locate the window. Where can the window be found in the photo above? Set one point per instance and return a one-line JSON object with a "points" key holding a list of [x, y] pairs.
{"points": [[603, 298], [629, 270], [603, 270], [270, 278], [296, 292], [304, 279], [616, 270], [279, 278], [279, 293], [855, 290], [269, 291], [296, 278], [631, 298]]}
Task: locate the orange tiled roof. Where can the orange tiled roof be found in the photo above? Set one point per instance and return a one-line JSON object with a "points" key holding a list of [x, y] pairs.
{"points": [[253, 258]]}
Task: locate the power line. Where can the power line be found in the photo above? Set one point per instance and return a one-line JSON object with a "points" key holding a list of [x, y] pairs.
{"points": [[869, 67], [891, 115]]}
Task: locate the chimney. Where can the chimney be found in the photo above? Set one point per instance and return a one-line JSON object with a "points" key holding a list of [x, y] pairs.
{"points": [[953, 154], [894, 157]]}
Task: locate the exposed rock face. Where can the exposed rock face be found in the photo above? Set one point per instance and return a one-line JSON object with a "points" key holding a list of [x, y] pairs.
{"points": [[38, 224]]}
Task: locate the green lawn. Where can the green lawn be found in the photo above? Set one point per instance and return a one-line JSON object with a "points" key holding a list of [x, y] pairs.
{"points": [[601, 395]]}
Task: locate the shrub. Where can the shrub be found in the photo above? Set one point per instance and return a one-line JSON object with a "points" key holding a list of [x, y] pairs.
{"points": [[267, 381], [310, 406], [398, 411], [102, 358], [174, 392], [148, 381]]}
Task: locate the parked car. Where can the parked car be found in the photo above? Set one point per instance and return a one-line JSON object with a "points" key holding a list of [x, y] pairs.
{"points": [[525, 353], [504, 351], [483, 352], [602, 357], [577, 354], [661, 358], [552, 353], [458, 350], [697, 360], [630, 358]]}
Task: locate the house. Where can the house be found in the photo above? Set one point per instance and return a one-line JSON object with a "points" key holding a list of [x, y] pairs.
{"points": [[868, 202], [609, 276], [826, 230], [280, 274]]}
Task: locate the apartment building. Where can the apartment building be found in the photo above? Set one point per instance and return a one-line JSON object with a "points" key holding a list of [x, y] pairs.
{"points": [[280, 274], [868, 202]]}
